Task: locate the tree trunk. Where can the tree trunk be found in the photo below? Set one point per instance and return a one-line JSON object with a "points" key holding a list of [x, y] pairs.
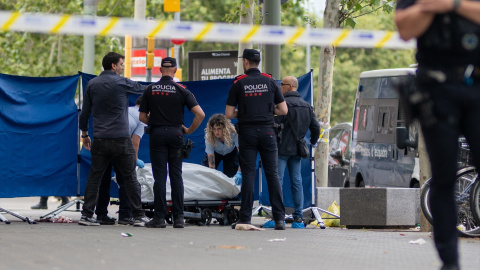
{"points": [[247, 19], [323, 102], [425, 174]]}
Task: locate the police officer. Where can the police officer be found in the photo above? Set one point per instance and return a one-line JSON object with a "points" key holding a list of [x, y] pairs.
{"points": [[162, 109], [448, 35], [258, 97]]}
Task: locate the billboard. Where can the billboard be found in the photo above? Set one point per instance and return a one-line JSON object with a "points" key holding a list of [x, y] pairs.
{"points": [[212, 65], [139, 62]]}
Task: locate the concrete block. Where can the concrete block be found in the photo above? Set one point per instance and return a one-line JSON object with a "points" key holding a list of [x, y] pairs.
{"points": [[379, 207], [363, 206], [326, 196], [403, 206]]}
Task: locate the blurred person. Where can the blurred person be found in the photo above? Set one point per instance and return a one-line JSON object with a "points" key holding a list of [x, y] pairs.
{"points": [[448, 80], [106, 98], [162, 109], [258, 97]]}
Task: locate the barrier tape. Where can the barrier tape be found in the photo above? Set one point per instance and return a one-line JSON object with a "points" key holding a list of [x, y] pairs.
{"points": [[199, 31]]}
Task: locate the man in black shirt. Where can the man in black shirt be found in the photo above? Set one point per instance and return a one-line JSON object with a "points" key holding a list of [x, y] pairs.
{"points": [[162, 109], [106, 98], [258, 97], [448, 34], [301, 120]]}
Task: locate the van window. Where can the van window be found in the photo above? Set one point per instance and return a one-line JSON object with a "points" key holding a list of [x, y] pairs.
{"points": [[369, 87]]}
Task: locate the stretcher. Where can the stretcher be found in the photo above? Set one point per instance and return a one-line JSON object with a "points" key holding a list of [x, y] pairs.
{"points": [[209, 195]]}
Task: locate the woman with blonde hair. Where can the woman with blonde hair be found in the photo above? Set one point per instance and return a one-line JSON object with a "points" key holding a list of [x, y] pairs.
{"points": [[221, 143]]}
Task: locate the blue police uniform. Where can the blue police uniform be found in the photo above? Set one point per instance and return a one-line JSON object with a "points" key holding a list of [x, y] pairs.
{"points": [[449, 72], [165, 102], [256, 94]]}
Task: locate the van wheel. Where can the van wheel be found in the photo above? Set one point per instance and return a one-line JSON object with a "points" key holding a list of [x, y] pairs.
{"points": [[416, 185], [361, 184]]}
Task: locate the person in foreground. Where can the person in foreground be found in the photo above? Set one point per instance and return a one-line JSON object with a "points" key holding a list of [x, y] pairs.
{"points": [[162, 110], [106, 98], [258, 98], [448, 75]]}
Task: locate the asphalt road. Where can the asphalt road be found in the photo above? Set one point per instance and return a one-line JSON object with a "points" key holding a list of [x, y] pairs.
{"points": [[70, 246]]}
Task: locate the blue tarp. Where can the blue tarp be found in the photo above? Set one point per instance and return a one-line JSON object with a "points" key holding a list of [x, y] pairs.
{"points": [[38, 136]]}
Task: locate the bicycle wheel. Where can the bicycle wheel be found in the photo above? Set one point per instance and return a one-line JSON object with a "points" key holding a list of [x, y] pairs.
{"points": [[424, 194], [475, 201], [467, 224]]}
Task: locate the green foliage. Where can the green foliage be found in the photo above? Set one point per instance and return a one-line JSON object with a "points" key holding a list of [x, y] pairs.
{"points": [[30, 54], [351, 9]]}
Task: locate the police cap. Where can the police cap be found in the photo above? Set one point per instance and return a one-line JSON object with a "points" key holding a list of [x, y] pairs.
{"points": [[169, 62], [251, 54]]}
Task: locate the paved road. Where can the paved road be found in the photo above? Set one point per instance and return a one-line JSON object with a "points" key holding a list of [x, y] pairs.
{"points": [[70, 246]]}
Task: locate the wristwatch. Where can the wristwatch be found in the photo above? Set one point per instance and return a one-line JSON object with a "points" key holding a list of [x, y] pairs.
{"points": [[84, 136]]}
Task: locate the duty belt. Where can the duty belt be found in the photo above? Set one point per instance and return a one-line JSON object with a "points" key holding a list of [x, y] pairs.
{"points": [[467, 75]]}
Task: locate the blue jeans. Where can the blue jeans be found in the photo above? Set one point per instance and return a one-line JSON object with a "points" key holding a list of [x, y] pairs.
{"points": [[121, 153], [293, 163]]}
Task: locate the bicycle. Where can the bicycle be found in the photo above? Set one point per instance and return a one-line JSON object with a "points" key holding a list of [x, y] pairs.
{"points": [[467, 192]]}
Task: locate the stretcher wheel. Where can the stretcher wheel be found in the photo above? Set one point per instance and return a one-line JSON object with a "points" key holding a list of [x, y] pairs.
{"points": [[206, 216], [233, 216], [168, 219]]}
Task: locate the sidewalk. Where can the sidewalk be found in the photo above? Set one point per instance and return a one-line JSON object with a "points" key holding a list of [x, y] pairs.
{"points": [[70, 246]]}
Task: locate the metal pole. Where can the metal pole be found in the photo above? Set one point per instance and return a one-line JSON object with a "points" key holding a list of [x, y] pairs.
{"points": [[139, 15], [176, 18], [308, 57], [90, 9], [271, 13]]}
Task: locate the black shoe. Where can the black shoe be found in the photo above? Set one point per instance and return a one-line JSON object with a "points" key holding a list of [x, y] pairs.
{"points": [[279, 225], [140, 222], [88, 221], [126, 221], [39, 206], [42, 204], [450, 267], [106, 220], [240, 222], [156, 223], [65, 200], [179, 223]]}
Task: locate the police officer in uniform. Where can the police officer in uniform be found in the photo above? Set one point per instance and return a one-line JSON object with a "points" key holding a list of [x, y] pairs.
{"points": [[448, 34], [258, 97], [162, 109]]}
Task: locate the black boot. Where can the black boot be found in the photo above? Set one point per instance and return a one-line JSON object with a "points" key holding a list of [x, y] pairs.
{"points": [[65, 200], [42, 204]]}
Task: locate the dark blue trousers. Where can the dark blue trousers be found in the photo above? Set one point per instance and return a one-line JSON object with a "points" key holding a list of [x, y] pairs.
{"points": [[254, 140], [457, 109], [166, 145]]}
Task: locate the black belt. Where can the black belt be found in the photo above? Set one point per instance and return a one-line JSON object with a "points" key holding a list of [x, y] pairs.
{"points": [[464, 74]]}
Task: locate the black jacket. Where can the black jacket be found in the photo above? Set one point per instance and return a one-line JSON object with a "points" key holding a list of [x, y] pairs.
{"points": [[303, 118]]}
